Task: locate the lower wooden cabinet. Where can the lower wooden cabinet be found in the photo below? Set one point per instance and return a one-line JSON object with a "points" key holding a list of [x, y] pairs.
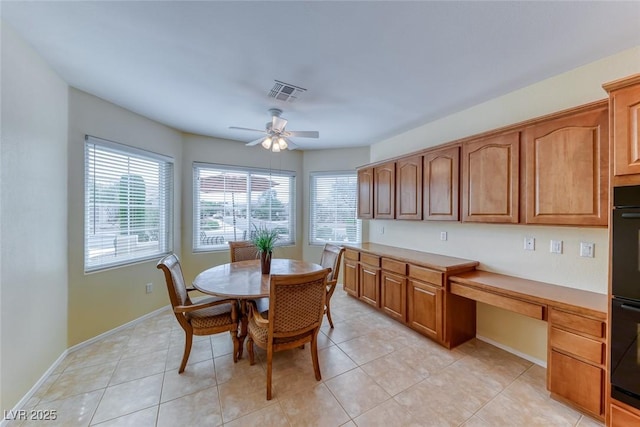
{"points": [[425, 308], [394, 295], [623, 415], [351, 277], [369, 284], [577, 362]]}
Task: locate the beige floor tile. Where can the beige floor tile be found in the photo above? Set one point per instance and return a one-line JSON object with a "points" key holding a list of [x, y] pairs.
{"points": [[125, 398], [387, 414], [244, 395], [315, 406], [480, 384], [200, 351], [476, 421], [228, 370], [132, 368], [503, 411], [222, 344], [291, 378], [448, 403], [146, 344], [75, 410], [586, 421], [357, 392], [45, 386], [196, 377], [82, 380], [365, 348], [271, 416], [144, 418], [333, 362], [393, 373], [201, 408]]}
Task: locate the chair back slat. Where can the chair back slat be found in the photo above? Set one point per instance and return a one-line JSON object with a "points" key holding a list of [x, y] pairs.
{"points": [[296, 302], [242, 251], [176, 287], [331, 256]]}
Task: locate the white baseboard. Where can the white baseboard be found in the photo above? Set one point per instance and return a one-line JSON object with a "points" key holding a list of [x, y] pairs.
{"points": [[531, 359], [70, 350]]}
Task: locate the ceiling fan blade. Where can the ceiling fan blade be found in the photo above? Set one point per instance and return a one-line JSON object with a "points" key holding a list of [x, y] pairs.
{"points": [[255, 142], [278, 123], [291, 145], [304, 133], [253, 130]]}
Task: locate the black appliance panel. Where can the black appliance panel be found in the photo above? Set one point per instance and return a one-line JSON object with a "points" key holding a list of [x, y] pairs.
{"points": [[625, 351]]}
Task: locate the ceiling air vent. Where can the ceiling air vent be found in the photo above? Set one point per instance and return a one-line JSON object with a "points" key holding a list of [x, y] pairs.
{"points": [[285, 91]]}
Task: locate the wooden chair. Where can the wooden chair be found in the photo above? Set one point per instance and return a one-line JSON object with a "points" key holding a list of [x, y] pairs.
{"points": [[242, 251], [331, 258], [296, 307], [211, 316]]}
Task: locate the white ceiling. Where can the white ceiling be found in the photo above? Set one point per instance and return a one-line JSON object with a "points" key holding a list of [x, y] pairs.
{"points": [[371, 69]]}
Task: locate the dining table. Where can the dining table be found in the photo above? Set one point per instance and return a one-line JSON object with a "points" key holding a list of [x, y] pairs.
{"points": [[244, 281]]}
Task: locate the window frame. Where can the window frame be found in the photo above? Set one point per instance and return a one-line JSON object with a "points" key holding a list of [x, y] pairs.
{"points": [[165, 206], [196, 245], [312, 207]]}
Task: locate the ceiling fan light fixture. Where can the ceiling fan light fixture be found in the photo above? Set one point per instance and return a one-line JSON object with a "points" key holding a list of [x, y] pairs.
{"points": [[282, 143], [267, 142], [275, 148]]}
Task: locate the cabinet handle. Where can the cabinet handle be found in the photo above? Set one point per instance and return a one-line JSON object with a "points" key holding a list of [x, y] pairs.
{"points": [[629, 215], [630, 307]]}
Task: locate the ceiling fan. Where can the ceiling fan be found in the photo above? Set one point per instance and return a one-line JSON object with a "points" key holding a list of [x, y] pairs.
{"points": [[276, 138]]}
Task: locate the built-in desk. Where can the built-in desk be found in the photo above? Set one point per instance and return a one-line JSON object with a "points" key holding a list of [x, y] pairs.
{"points": [[577, 354]]}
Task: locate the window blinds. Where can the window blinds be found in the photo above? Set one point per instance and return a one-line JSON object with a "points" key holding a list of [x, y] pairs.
{"points": [[334, 207], [128, 204]]}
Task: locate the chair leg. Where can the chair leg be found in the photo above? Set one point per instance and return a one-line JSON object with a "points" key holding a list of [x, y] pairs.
{"points": [[269, 370], [314, 356], [188, 336], [329, 314], [234, 338], [250, 350]]}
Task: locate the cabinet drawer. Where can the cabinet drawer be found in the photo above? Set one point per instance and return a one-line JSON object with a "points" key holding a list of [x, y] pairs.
{"points": [[425, 274], [577, 381], [372, 260], [575, 344], [352, 255], [621, 417], [394, 266], [576, 323]]}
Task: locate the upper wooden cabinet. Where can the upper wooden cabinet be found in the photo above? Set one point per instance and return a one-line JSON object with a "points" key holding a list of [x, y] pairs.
{"points": [[567, 169], [384, 184], [441, 184], [409, 188], [490, 179], [624, 106], [365, 193]]}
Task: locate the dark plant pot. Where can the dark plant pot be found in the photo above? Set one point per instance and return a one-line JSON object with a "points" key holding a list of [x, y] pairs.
{"points": [[265, 262]]}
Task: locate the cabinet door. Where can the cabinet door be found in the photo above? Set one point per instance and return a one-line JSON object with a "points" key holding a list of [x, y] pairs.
{"points": [[384, 184], [625, 112], [567, 170], [394, 295], [490, 184], [441, 184], [351, 277], [425, 308], [576, 381], [365, 193], [624, 417], [409, 188], [370, 284]]}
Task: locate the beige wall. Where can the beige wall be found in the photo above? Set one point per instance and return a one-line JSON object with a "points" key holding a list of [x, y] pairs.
{"points": [[101, 301], [33, 278], [220, 151], [346, 159], [499, 248]]}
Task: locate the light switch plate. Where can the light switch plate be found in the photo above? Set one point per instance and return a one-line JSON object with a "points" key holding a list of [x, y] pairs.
{"points": [[587, 249], [556, 247], [443, 235]]}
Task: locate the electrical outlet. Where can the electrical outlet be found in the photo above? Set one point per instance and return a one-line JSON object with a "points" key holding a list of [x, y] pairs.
{"points": [[443, 235], [556, 247], [529, 244], [587, 249], [149, 288]]}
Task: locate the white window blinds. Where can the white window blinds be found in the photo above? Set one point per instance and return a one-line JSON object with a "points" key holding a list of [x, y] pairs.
{"points": [[334, 207], [230, 202], [128, 204]]}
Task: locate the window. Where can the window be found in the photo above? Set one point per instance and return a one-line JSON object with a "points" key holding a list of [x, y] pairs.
{"points": [[128, 204], [230, 202], [334, 207]]}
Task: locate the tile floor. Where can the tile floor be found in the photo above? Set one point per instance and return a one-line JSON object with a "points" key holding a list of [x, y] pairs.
{"points": [[375, 372]]}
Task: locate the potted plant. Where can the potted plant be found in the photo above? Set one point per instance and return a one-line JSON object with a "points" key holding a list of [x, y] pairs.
{"points": [[265, 239]]}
